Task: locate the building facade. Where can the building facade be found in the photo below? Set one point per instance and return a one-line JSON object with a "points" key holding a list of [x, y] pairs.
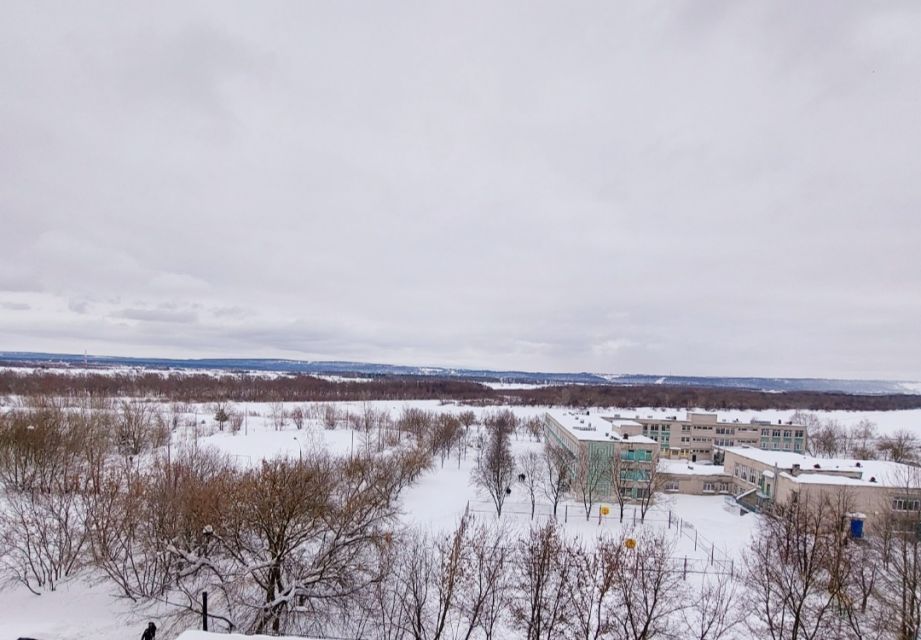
{"points": [[590, 439], [871, 487], [697, 436], [680, 476]]}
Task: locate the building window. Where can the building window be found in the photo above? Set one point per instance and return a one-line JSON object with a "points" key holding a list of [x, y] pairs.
{"points": [[906, 504], [671, 485], [708, 487]]}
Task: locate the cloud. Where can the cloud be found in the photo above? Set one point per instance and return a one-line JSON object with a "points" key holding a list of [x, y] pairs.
{"points": [[690, 188], [158, 315], [15, 306], [78, 306]]}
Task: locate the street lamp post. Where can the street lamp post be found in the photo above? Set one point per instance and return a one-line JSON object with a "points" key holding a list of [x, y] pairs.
{"points": [[300, 450]]}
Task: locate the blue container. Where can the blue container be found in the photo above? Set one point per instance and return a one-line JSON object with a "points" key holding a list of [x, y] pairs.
{"points": [[856, 528]]}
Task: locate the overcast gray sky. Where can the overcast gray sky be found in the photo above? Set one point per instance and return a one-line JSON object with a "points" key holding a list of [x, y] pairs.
{"points": [[715, 188]]}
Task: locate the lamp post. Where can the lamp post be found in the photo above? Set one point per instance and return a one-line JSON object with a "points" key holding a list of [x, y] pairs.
{"points": [[300, 450]]}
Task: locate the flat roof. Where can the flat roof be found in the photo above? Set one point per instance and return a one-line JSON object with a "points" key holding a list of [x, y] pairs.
{"points": [[754, 421], [623, 422], [592, 427], [827, 478], [884, 472], [685, 468]]}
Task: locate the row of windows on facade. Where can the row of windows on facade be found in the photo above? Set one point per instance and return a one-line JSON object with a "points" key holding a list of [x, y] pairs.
{"points": [[778, 446], [709, 487], [638, 455], [906, 504], [745, 473], [727, 431]]}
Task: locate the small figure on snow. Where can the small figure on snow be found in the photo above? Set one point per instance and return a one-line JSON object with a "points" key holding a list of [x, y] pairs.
{"points": [[150, 632]]}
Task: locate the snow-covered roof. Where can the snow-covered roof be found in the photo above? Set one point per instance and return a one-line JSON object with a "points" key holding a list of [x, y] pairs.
{"points": [[709, 418], [819, 470], [683, 467], [592, 427], [623, 422], [825, 478]]}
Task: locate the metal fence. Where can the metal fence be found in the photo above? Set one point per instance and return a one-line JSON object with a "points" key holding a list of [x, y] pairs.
{"points": [[711, 559]]}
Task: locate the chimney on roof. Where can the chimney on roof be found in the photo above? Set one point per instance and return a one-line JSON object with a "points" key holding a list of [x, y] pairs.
{"points": [[873, 479], [794, 470]]}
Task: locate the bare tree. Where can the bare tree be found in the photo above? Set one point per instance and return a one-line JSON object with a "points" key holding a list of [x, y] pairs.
{"points": [[432, 580], [811, 423], [278, 415], [134, 520], [795, 575], [297, 417], [444, 586], [494, 474], [486, 586], [535, 428], [621, 481], [591, 469], [330, 416], [446, 434], [901, 446], [541, 606], [650, 481], [650, 593], [43, 536], [236, 421], [558, 476], [285, 547], [220, 415], [898, 550], [830, 439], [715, 613], [593, 598], [136, 429], [417, 423], [863, 436], [531, 467], [467, 418], [175, 415]]}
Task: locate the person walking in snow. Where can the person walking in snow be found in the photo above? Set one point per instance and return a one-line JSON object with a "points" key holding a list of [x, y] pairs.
{"points": [[150, 632]]}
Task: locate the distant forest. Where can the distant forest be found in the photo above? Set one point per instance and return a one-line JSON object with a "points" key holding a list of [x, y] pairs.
{"points": [[305, 388]]}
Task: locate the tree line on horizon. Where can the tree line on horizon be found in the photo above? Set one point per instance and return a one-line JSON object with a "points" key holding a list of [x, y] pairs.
{"points": [[304, 388]]}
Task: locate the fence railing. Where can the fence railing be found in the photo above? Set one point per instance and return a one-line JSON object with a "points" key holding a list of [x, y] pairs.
{"points": [[711, 559]]}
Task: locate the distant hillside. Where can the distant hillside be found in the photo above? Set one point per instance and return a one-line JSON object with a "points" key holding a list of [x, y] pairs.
{"points": [[365, 369]]}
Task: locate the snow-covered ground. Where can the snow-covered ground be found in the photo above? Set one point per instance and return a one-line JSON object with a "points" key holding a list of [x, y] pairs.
{"points": [[77, 610], [707, 530]]}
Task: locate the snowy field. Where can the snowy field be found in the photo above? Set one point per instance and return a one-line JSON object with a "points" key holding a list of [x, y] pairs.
{"points": [[709, 534]]}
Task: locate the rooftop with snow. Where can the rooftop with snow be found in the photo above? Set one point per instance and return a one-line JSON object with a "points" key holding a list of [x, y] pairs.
{"points": [[685, 468], [592, 427], [845, 471]]}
